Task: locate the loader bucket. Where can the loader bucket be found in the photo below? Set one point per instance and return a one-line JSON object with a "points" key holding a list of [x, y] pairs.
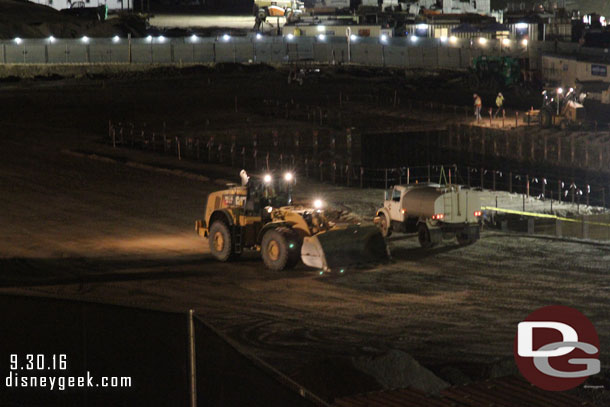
{"points": [[344, 246]]}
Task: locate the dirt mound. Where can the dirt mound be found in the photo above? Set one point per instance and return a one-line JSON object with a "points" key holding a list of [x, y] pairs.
{"points": [[397, 369], [332, 378], [21, 18]]}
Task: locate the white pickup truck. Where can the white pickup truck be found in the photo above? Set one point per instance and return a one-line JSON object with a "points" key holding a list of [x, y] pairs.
{"points": [[435, 212]]}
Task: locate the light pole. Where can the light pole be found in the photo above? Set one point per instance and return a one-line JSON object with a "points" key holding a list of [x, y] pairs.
{"points": [[348, 34]]}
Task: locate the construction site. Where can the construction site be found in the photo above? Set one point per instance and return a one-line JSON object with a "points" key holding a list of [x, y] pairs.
{"points": [[325, 225]]}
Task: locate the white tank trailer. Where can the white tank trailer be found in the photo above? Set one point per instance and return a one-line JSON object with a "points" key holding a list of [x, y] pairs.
{"points": [[435, 212]]}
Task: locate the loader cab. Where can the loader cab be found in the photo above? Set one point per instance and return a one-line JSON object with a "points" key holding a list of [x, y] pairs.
{"points": [[261, 195]]}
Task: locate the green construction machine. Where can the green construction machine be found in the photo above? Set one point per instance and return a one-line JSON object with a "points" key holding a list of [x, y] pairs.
{"points": [[494, 73]]}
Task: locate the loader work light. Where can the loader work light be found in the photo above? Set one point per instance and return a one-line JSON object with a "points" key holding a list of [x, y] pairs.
{"points": [[288, 176], [318, 203], [267, 178]]}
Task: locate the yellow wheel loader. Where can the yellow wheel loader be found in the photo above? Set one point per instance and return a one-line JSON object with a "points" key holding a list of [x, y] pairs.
{"points": [[259, 215]]}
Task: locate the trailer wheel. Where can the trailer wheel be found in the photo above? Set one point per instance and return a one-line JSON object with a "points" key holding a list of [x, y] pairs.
{"points": [[221, 241], [385, 225], [275, 249], [464, 240], [423, 234]]}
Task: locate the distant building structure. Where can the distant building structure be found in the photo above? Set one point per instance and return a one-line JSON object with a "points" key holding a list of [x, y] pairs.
{"points": [[113, 5]]}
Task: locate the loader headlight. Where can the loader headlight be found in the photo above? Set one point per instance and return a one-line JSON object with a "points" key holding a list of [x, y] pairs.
{"points": [[288, 176], [269, 209], [318, 204], [267, 178]]}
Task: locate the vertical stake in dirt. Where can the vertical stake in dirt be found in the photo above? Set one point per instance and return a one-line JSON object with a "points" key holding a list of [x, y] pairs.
{"points": [[543, 188], [192, 366], [385, 179], [178, 148]]}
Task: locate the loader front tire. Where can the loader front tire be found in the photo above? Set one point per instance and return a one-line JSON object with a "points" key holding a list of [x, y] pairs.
{"points": [[221, 241], [275, 249]]}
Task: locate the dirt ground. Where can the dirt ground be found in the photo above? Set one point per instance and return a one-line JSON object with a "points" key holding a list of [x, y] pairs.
{"points": [[103, 231]]}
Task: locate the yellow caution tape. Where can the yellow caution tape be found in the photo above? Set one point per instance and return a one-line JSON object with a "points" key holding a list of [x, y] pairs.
{"points": [[541, 215]]}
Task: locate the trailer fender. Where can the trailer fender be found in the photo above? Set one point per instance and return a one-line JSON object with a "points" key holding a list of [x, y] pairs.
{"points": [[382, 214]]}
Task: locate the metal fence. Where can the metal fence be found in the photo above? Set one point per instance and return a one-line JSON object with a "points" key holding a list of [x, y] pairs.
{"points": [[391, 52], [329, 157]]}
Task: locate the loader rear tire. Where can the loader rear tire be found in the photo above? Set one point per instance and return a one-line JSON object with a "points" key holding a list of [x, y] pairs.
{"points": [[221, 241], [275, 249]]}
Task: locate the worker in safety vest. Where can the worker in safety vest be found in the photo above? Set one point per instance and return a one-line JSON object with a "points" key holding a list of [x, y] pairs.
{"points": [[478, 104], [499, 103]]}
